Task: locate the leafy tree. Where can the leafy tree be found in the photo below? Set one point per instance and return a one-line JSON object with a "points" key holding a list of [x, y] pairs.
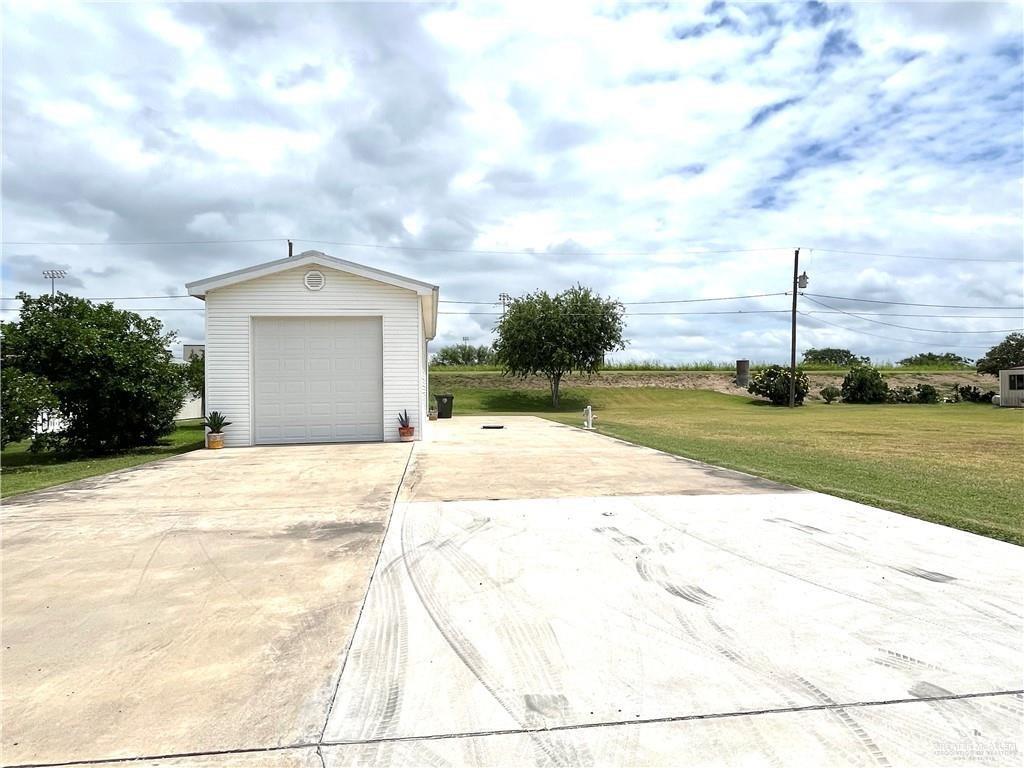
{"points": [[773, 383], [936, 360], [24, 399], [864, 384], [555, 335], [464, 354], [194, 372], [830, 393], [110, 370], [1009, 353], [832, 356]]}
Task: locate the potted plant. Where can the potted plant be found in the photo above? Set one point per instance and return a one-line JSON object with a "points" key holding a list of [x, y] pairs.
{"points": [[432, 414], [215, 421], [405, 429]]}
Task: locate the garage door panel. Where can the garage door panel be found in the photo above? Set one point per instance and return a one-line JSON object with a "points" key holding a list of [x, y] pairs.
{"points": [[318, 379]]}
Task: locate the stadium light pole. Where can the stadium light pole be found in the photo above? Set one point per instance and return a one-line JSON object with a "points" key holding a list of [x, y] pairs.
{"points": [[53, 275]]}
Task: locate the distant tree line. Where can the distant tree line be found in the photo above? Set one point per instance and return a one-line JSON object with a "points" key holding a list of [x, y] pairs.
{"points": [[834, 357], [463, 354]]}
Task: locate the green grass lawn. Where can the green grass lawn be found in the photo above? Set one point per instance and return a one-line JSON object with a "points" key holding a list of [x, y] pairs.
{"points": [[958, 465], [22, 471]]}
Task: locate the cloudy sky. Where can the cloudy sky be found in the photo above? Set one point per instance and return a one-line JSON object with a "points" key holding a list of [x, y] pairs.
{"points": [[653, 152]]}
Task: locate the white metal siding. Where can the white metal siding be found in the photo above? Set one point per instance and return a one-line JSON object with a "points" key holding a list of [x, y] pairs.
{"points": [[229, 316], [1012, 398], [317, 380]]}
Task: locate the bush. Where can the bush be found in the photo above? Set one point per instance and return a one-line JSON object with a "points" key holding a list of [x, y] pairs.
{"points": [[973, 394], [901, 395], [927, 394], [864, 384], [924, 394], [830, 393], [773, 383], [25, 399], [110, 369]]}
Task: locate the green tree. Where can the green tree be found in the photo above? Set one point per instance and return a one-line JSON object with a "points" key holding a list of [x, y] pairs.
{"points": [[773, 383], [864, 384], [24, 399], [463, 354], [832, 356], [936, 360], [1009, 353], [110, 369], [555, 335]]}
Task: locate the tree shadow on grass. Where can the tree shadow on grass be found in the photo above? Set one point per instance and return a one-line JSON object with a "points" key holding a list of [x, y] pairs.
{"points": [[17, 458], [530, 402]]}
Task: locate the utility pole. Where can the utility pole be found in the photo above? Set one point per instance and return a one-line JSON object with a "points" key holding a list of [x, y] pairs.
{"points": [[289, 249], [53, 275], [505, 300], [799, 281]]}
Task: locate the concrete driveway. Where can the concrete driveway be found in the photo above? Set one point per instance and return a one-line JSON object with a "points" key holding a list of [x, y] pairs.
{"points": [[197, 604], [542, 596]]}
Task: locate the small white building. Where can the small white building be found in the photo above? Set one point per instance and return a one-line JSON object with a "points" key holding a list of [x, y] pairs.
{"points": [[1011, 387], [315, 349]]}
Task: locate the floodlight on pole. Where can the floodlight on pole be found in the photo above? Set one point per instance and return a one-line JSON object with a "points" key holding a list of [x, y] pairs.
{"points": [[53, 275]]}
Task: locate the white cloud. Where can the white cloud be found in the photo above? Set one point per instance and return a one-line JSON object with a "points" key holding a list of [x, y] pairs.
{"points": [[674, 132]]}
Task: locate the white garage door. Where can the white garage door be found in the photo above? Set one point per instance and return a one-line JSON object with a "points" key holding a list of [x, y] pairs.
{"points": [[318, 379]]}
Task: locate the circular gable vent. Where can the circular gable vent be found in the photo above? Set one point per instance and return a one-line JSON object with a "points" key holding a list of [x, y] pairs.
{"points": [[314, 280]]}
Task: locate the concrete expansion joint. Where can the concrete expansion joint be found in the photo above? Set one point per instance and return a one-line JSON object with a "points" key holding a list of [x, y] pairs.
{"points": [[675, 718], [318, 745], [362, 605]]}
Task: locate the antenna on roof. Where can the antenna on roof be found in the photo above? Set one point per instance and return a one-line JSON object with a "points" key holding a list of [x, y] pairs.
{"points": [[289, 249]]}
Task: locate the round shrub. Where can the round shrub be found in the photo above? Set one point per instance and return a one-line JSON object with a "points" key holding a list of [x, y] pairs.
{"points": [[927, 394], [864, 384], [773, 383], [830, 393]]}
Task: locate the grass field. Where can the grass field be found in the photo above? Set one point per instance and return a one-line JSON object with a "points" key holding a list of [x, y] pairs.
{"points": [[705, 367], [22, 471], [958, 465]]}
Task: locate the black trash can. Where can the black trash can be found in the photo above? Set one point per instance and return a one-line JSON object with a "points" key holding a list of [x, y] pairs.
{"points": [[444, 406]]}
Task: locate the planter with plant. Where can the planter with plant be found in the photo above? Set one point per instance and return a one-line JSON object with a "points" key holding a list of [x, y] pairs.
{"points": [[405, 429], [215, 421]]}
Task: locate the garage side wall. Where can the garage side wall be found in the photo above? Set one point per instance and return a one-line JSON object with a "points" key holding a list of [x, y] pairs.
{"points": [[229, 313]]}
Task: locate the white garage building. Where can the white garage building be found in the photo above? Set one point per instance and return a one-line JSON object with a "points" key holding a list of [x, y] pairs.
{"points": [[314, 349]]}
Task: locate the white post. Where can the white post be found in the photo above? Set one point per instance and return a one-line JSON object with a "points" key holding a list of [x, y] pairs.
{"points": [[588, 418]]}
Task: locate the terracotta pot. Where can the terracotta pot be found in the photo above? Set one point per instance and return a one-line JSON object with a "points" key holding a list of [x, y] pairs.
{"points": [[405, 434], [215, 440]]}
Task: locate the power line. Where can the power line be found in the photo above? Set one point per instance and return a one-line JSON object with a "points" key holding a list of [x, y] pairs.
{"points": [[655, 314], [146, 242], [442, 301], [906, 303], [895, 325], [485, 252], [716, 298], [906, 256], [890, 338]]}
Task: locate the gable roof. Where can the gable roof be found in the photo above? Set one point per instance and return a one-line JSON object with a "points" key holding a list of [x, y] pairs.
{"points": [[428, 293]]}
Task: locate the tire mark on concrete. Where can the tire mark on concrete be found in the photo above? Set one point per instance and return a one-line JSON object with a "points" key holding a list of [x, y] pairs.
{"points": [[845, 718], [555, 751]]}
